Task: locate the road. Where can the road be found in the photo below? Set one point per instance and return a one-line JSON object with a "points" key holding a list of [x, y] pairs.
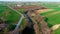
{"points": [[15, 10], [20, 20]]}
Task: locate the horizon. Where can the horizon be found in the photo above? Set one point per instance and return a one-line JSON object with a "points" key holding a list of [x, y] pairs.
{"points": [[33, 0]]}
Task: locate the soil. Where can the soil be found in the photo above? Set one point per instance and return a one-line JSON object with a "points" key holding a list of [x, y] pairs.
{"points": [[30, 7], [53, 13], [44, 10], [55, 27]]}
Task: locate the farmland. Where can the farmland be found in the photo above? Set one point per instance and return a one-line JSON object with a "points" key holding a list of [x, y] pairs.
{"points": [[11, 17], [53, 16]]}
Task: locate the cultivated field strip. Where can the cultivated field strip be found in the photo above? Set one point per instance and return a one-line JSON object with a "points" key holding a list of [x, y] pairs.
{"points": [[52, 14]]}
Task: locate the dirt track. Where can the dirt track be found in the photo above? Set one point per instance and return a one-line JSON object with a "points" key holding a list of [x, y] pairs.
{"points": [[44, 10], [55, 27], [53, 13]]}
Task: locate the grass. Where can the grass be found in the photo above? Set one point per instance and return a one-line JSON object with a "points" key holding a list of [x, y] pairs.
{"points": [[57, 31], [53, 19], [10, 16], [55, 10]]}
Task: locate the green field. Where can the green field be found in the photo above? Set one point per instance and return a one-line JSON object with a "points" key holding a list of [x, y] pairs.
{"points": [[10, 16], [52, 18]]}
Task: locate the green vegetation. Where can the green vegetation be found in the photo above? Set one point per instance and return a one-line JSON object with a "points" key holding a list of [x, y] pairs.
{"points": [[54, 18], [10, 16], [57, 31]]}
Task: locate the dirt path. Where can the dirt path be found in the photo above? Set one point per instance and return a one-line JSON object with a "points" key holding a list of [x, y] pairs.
{"points": [[44, 10], [53, 13], [55, 27]]}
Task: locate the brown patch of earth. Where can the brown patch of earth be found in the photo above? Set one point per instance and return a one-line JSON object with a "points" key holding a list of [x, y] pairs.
{"points": [[55, 27], [44, 10], [53, 13]]}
